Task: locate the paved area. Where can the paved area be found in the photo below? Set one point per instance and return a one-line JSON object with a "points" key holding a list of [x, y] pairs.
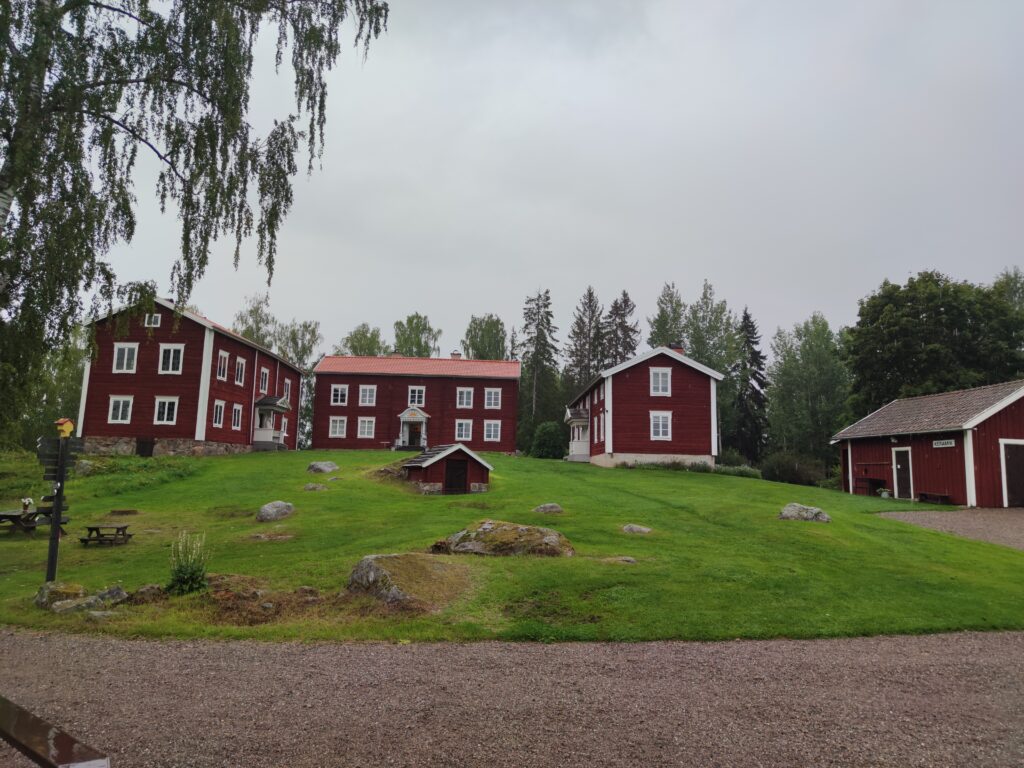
{"points": [[1000, 526], [936, 700]]}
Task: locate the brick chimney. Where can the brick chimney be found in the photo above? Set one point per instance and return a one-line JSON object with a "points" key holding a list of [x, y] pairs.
{"points": [[678, 347], [456, 355]]}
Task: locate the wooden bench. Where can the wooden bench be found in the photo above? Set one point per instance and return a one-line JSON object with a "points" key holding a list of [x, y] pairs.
{"points": [[934, 498], [45, 744], [106, 534]]}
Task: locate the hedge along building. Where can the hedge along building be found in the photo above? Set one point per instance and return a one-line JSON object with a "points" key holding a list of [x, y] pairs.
{"points": [[169, 382], [659, 407], [965, 447]]}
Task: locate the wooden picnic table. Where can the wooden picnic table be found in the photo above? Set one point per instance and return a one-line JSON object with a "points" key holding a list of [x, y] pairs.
{"points": [[27, 522], [106, 534]]}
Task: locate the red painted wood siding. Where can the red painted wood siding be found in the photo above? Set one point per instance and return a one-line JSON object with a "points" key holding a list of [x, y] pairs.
{"points": [[690, 404], [1007, 424], [393, 398], [475, 472], [934, 470]]}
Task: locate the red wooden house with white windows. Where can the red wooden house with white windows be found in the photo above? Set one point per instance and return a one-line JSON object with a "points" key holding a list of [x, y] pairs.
{"points": [[179, 383], [656, 408], [964, 447], [398, 402]]}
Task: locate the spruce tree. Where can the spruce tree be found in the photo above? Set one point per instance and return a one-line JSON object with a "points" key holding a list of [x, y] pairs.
{"points": [[667, 323], [622, 332], [751, 416], [585, 351], [539, 392]]}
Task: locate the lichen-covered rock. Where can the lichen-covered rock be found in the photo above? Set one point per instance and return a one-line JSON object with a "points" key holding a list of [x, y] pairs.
{"points": [[497, 537], [78, 604], [114, 595], [275, 510], [408, 580], [634, 528], [549, 509], [322, 467], [84, 467], [794, 511], [54, 592], [314, 487]]}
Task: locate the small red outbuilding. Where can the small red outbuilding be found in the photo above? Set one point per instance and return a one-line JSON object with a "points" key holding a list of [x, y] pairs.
{"points": [[964, 447], [448, 469]]}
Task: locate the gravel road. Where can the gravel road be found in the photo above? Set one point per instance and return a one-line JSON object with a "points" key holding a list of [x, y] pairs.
{"points": [[1000, 526], [937, 700]]}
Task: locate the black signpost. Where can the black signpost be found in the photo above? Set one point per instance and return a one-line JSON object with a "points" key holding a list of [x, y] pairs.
{"points": [[54, 453]]}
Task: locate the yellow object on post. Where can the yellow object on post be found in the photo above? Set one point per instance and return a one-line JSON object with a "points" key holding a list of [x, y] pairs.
{"points": [[65, 427]]}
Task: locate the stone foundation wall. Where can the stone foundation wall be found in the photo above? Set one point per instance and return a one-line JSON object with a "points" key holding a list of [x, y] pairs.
{"points": [[616, 459], [430, 488], [125, 446], [110, 446], [479, 487]]}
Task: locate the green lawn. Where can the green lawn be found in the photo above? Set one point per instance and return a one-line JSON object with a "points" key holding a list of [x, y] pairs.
{"points": [[718, 564]]}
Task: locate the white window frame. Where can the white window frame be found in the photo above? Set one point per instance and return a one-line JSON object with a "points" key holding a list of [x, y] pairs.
{"points": [[368, 389], [655, 375], [223, 361], [335, 433], [236, 417], [147, 322], [156, 410], [284, 426], [134, 347], [118, 399], [459, 392], [341, 389], [492, 424], [422, 390], [288, 390], [595, 430], [218, 404], [468, 424], [364, 420], [172, 348], [667, 415], [488, 393], [240, 371], [264, 380]]}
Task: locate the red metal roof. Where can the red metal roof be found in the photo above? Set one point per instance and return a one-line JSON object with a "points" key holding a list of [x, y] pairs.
{"points": [[395, 365]]}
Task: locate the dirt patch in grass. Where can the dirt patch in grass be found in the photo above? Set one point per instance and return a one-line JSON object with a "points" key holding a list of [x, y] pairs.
{"points": [[470, 505], [230, 512], [550, 606], [280, 536], [393, 472], [244, 601]]}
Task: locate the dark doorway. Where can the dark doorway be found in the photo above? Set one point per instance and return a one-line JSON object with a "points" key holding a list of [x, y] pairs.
{"points": [[901, 457], [1013, 456], [144, 446], [455, 476], [415, 431]]}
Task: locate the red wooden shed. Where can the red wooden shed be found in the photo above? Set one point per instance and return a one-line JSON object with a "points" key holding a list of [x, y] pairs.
{"points": [[449, 469], [964, 447]]}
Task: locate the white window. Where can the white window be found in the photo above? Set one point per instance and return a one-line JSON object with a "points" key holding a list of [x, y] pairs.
{"points": [[166, 410], [661, 382], [339, 426], [120, 409], [239, 370], [264, 380], [464, 397], [492, 398], [236, 416], [463, 429], [595, 429], [600, 390], [367, 426], [171, 357], [661, 425], [284, 426], [417, 396], [367, 396], [223, 360], [152, 321], [288, 389], [125, 356], [218, 413], [600, 422], [339, 395], [492, 431]]}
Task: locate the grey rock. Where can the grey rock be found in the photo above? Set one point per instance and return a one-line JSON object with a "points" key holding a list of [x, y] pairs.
{"points": [[634, 528], [314, 487], [371, 575], [497, 537], [114, 595], [794, 511], [549, 509], [333, 479], [274, 510], [55, 591], [99, 615], [622, 559], [76, 605], [267, 606], [84, 468], [322, 467]]}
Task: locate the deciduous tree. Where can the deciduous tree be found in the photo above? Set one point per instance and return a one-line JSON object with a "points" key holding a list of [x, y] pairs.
{"points": [[364, 341], [485, 338], [416, 337]]}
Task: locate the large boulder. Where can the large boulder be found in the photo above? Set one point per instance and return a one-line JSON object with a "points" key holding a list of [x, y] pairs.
{"points": [[549, 509], [322, 467], [54, 592], [314, 487], [409, 580], [274, 510], [794, 511], [497, 537]]}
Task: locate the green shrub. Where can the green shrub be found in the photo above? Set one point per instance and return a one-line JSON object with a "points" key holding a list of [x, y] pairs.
{"points": [[785, 467], [188, 564], [730, 457], [547, 441], [739, 472]]}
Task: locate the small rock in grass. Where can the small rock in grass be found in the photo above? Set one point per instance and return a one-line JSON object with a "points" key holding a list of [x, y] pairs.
{"points": [[624, 559], [84, 468], [114, 595], [549, 509], [54, 592], [794, 511], [314, 487], [332, 479], [633, 528], [322, 467], [99, 615], [76, 605], [275, 510]]}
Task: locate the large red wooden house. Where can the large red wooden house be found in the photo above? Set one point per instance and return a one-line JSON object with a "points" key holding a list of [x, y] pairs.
{"points": [[658, 407], [964, 447], [415, 402], [168, 382]]}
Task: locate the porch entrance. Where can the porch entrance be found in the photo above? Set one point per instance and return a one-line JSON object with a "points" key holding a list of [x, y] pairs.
{"points": [[412, 435]]}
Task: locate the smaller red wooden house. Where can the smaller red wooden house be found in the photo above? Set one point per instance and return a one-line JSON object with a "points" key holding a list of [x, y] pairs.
{"points": [[659, 407], [964, 447], [449, 469]]}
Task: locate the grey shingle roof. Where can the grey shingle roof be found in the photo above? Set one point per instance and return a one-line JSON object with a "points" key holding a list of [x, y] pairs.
{"points": [[931, 413]]}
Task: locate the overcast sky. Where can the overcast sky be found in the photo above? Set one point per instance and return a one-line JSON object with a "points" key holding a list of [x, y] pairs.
{"points": [[795, 154]]}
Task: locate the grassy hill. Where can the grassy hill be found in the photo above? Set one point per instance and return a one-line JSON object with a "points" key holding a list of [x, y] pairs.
{"points": [[717, 565]]}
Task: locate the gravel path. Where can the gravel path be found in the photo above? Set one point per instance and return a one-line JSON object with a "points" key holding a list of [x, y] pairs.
{"points": [[1000, 526], [937, 700]]}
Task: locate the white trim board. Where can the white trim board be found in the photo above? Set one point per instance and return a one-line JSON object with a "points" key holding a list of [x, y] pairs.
{"points": [[849, 462], [714, 417], [608, 448], [969, 471], [675, 355], [85, 395], [204, 385], [1006, 401], [1003, 442], [451, 449]]}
